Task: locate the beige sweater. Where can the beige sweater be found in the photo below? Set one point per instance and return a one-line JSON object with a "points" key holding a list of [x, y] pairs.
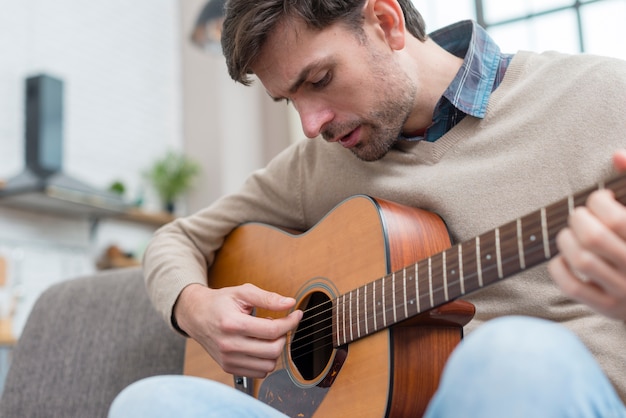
{"points": [[550, 131]]}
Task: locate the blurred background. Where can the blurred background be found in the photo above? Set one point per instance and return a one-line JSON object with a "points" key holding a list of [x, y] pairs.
{"points": [[136, 90]]}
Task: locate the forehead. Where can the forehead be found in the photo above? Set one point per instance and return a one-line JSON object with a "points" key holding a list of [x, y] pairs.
{"points": [[291, 47]]}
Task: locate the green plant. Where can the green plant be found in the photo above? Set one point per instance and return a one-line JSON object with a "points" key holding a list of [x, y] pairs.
{"points": [[117, 187], [172, 175]]}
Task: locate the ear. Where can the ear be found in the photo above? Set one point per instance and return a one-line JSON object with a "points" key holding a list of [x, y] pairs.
{"points": [[389, 17]]}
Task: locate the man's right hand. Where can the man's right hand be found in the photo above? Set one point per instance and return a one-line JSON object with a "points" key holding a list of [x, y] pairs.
{"points": [[221, 321]]}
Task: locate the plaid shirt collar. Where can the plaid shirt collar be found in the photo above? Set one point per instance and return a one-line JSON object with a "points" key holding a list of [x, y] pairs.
{"points": [[481, 73]]}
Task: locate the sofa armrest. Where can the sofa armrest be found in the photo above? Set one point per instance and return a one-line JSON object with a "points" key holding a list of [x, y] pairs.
{"points": [[84, 341]]}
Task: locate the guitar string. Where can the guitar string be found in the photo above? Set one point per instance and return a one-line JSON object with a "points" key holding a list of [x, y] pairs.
{"points": [[452, 249], [563, 211], [369, 315]]}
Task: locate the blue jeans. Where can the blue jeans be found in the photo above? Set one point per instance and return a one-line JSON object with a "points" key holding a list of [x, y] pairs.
{"points": [[509, 367], [523, 367]]}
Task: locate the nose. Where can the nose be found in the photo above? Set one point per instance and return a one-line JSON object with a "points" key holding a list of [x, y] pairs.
{"points": [[313, 116]]}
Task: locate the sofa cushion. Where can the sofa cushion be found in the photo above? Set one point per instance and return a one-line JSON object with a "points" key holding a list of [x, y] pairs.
{"points": [[84, 341]]}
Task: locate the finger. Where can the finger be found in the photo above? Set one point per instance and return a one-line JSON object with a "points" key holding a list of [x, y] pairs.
{"points": [[587, 293], [569, 283], [584, 266], [611, 213], [251, 294], [600, 230], [249, 366], [619, 160], [253, 347], [271, 329]]}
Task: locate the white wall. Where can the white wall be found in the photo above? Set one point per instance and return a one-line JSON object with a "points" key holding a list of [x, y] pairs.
{"points": [[120, 63], [235, 129]]}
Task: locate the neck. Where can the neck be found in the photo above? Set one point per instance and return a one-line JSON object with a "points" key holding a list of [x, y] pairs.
{"points": [[433, 69]]}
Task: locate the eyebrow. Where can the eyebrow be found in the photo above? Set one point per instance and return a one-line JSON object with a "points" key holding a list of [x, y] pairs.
{"points": [[304, 74]]}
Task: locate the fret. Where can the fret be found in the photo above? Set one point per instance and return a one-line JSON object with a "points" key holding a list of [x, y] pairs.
{"points": [[393, 297], [451, 270], [544, 233], [461, 276], [382, 288], [520, 244], [374, 305], [411, 291], [425, 288], [351, 322], [344, 318], [470, 266], [531, 239], [446, 296], [337, 322], [371, 312], [440, 291], [430, 282], [358, 314], [367, 330], [404, 289], [556, 215], [511, 250], [498, 254], [381, 314], [417, 288], [579, 199], [488, 264], [479, 268], [570, 204]]}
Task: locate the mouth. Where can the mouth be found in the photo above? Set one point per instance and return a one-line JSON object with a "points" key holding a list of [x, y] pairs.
{"points": [[351, 139]]}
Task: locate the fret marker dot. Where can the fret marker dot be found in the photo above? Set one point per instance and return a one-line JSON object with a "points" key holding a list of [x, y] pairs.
{"points": [[533, 238], [453, 272], [488, 257]]}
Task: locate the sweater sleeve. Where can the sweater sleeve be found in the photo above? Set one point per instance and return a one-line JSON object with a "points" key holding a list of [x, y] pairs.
{"points": [[181, 252]]}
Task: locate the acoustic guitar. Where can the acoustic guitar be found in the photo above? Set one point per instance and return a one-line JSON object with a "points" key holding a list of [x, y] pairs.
{"points": [[373, 348]]}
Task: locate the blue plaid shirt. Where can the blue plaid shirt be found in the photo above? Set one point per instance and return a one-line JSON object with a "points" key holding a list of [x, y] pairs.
{"points": [[481, 73]]}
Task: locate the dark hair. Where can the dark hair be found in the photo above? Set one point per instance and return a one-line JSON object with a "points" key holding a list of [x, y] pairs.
{"points": [[248, 23]]}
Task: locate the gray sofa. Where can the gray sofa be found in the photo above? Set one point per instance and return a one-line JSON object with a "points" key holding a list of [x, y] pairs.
{"points": [[85, 340]]}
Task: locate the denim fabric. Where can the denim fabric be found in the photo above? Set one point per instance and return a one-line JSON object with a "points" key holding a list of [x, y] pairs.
{"points": [[510, 367], [178, 396], [523, 367]]}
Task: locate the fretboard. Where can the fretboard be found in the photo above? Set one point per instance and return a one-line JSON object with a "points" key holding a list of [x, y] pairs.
{"points": [[459, 270]]}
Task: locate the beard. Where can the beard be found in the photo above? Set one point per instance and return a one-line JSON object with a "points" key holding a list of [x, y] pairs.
{"points": [[380, 131], [381, 127]]}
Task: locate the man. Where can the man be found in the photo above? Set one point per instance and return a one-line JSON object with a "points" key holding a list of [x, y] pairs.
{"points": [[444, 122]]}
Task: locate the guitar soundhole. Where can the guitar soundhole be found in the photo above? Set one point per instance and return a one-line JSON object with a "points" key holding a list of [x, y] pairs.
{"points": [[312, 345]]}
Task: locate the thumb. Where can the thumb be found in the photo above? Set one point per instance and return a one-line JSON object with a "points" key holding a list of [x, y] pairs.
{"points": [[264, 299]]}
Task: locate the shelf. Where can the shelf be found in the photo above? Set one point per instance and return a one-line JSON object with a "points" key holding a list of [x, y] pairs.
{"points": [[150, 218], [67, 198]]}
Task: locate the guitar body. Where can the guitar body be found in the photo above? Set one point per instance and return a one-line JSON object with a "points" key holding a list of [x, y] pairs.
{"points": [[390, 373]]}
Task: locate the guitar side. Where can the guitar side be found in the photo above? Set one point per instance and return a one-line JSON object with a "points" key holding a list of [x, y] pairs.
{"points": [[361, 239]]}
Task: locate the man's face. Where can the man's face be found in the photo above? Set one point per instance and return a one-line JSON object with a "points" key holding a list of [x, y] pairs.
{"points": [[347, 87]]}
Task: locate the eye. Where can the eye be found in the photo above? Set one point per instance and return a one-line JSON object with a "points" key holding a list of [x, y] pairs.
{"points": [[323, 81], [281, 100]]}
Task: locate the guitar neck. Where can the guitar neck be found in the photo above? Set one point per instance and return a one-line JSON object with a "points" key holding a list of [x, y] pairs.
{"points": [[459, 270]]}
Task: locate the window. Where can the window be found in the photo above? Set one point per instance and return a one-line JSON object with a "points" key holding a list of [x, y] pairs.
{"points": [[590, 26]]}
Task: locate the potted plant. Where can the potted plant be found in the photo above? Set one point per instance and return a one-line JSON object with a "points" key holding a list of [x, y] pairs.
{"points": [[172, 176]]}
